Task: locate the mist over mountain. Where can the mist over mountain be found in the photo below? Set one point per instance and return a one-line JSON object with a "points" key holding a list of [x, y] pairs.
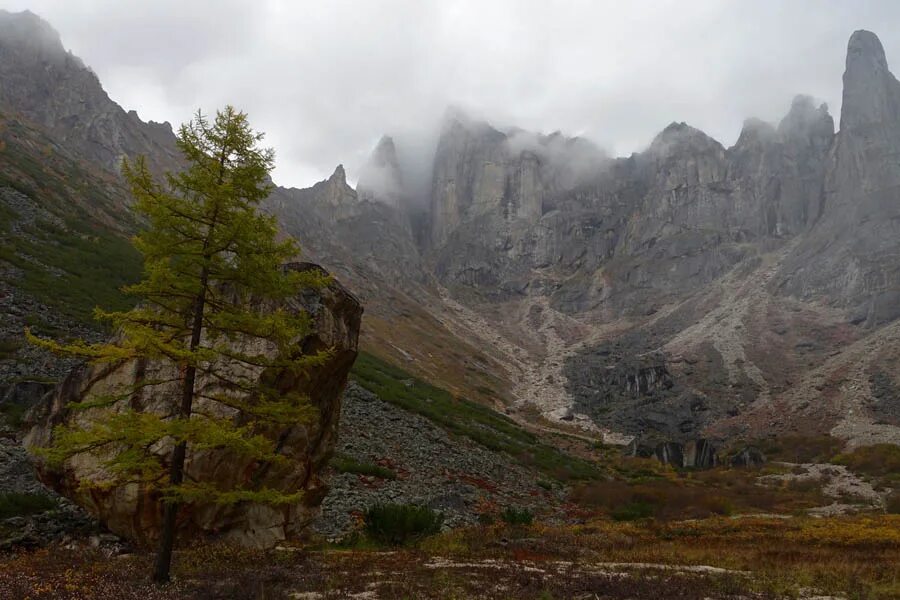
{"points": [[520, 327]]}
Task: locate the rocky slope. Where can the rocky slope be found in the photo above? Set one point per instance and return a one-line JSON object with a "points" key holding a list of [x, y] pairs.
{"points": [[429, 466]]}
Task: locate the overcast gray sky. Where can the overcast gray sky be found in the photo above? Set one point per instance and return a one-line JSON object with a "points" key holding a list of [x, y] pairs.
{"points": [[324, 79]]}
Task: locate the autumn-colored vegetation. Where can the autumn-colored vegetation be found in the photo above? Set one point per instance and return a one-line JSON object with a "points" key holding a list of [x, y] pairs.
{"points": [[752, 557]]}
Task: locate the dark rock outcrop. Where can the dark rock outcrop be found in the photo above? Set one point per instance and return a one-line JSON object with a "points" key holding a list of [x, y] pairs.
{"points": [[748, 457], [133, 512], [693, 454]]}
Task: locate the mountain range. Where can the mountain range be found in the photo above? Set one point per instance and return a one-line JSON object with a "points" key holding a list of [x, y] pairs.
{"points": [[689, 291]]}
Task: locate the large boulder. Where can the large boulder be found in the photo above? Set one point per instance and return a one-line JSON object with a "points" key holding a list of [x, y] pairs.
{"points": [[134, 512]]}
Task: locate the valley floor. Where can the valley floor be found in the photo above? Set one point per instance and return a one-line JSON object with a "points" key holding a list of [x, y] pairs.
{"points": [[751, 557]]}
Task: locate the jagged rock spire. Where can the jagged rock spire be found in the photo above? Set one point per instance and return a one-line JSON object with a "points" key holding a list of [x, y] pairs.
{"points": [[871, 92], [380, 179]]}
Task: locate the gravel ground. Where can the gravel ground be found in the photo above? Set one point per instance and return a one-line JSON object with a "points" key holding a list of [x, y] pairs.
{"points": [[451, 474]]}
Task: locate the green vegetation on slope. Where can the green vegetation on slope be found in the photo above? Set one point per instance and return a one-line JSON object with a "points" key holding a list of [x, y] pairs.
{"points": [[398, 524], [463, 417], [347, 464], [82, 258], [88, 267]]}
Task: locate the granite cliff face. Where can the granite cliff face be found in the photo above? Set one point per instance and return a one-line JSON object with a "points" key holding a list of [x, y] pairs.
{"points": [[687, 291], [133, 512], [849, 258]]}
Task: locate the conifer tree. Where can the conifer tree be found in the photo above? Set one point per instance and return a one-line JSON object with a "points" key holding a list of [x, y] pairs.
{"points": [[213, 273]]}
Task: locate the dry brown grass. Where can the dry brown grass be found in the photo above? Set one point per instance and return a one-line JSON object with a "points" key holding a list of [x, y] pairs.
{"points": [[666, 494]]}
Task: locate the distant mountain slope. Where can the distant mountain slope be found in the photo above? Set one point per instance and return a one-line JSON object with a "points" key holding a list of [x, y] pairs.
{"points": [[54, 89], [63, 245]]}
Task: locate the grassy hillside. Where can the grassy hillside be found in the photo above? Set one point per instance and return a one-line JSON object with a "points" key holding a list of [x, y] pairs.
{"points": [[64, 226]]}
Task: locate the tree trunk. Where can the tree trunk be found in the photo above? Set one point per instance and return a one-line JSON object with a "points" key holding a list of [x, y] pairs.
{"points": [[176, 468]]}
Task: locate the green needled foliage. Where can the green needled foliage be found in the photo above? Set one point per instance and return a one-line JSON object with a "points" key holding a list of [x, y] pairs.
{"points": [[213, 279]]}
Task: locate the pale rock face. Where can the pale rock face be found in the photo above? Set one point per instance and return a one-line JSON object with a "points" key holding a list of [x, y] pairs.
{"points": [[481, 173], [673, 217], [135, 513], [337, 192]]}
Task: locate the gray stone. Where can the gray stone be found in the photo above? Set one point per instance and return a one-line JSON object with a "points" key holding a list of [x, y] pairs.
{"points": [[135, 512]]}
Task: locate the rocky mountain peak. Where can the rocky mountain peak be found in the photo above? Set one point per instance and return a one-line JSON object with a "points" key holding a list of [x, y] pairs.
{"points": [[385, 150], [54, 89], [755, 132], [26, 30], [805, 118], [339, 177], [380, 178], [864, 51], [679, 138], [871, 92], [335, 191]]}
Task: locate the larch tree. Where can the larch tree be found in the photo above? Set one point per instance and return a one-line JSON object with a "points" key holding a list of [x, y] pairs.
{"points": [[213, 277]]}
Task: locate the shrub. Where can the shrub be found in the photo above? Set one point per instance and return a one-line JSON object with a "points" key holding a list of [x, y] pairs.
{"points": [[346, 464], [14, 504], [517, 516], [397, 524], [801, 448], [639, 509], [892, 503], [486, 519], [877, 460], [13, 414]]}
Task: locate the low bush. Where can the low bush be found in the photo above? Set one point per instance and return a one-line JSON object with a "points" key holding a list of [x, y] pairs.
{"points": [[14, 504], [398, 524], [892, 503], [517, 516], [346, 464], [801, 448], [878, 460], [633, 511], [13, 414]]}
